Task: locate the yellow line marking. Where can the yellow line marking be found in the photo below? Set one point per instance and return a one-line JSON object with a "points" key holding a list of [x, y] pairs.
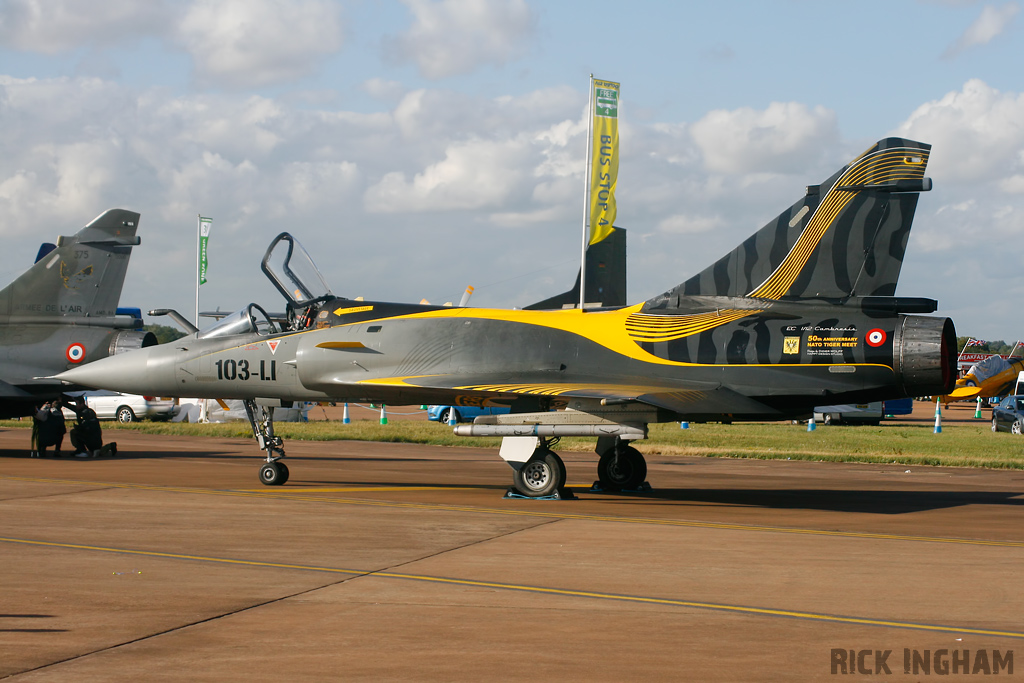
{"points": [[522, 588], [287, 495], [360, 489]]}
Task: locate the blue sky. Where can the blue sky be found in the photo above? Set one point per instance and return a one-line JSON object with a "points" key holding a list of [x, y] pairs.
{"points": [[419, 146]]}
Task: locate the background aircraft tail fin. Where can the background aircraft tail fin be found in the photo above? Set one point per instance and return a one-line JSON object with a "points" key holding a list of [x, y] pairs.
{"points": [[606, 276], [82, 276], [846, 237]]}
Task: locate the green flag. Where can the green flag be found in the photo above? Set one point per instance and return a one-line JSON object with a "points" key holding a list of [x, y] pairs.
{"points": [[204, 236]]}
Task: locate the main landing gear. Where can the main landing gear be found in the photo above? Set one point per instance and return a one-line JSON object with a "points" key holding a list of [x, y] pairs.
{"points": [[620, 468], [261, 419], [542, 475]]}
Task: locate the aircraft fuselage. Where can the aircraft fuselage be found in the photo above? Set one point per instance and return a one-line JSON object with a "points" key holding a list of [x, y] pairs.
{"points": [[747, 358]]}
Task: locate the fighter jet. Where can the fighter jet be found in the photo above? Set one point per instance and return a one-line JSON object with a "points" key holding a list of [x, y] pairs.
{"points": [[802, 313], [62, 312]]}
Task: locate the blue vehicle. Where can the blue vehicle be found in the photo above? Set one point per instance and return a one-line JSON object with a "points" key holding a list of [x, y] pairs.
{"points": [[462, 413], [899, 406]]}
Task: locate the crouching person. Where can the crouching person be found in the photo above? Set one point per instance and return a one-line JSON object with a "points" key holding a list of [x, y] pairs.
{"points": [[48, 429], [87, 435]]}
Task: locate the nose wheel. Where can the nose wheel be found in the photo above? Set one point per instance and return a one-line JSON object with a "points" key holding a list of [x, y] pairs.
{"points": [[274, 473], [261, 419]]}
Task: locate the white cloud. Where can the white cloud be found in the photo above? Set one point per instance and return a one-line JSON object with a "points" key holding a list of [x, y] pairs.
{"points": [[54, 26], [786, 136], [388, 91], [1013, 184], [452, 37], [992, 22], [683, 224], [475, 174], [251, 43], [976, 133]]}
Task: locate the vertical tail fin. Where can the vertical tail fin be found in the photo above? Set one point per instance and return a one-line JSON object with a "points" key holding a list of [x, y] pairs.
{"points": [[846, 237], [83, 276], [606, 276]]}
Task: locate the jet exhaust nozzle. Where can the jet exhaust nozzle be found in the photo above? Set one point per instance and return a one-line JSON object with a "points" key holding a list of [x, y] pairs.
{"points": [[924, 355]]}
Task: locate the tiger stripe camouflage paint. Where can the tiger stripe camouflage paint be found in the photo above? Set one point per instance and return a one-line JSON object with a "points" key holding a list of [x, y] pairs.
{"points": [[846, 237]]}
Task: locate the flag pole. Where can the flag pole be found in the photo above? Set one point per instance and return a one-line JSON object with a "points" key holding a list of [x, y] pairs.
{"points": [[964, 350], [199, 257], [586, 195]]}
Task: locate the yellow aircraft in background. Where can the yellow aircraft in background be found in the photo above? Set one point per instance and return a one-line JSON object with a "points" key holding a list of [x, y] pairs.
{"points": [[994, 376]]}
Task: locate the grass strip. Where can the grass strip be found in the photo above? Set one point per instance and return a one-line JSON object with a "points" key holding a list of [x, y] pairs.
{"points": [[960, 445]]}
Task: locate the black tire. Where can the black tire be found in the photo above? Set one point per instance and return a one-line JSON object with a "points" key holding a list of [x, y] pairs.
{"points": [[995, 425], [828, 419], [125, 415], [626, 471], [447, 415], [542, 475], [270, 474], [1015, 428], [284, 473]]}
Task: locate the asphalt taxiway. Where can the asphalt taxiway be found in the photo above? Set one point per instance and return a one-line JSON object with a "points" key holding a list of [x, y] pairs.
{"points": [[402, 562]]}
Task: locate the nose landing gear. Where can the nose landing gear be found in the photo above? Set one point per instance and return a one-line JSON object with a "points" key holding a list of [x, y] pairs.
{"points": [[261, 419]]}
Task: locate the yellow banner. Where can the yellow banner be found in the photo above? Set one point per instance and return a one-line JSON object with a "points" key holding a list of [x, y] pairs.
{"points": [[605, 155]]}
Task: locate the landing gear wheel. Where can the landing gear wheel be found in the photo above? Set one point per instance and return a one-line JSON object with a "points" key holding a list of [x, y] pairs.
{"points": [[542, 475], [271, 474], [284, 473], [622, 467]]}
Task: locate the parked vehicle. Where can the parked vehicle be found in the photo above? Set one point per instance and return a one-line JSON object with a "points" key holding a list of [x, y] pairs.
{"points": [[899, 406], [463, 413], [850, 413], [1008, 416], [112, 405]]}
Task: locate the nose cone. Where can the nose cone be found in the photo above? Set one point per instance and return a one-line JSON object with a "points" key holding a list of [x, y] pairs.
{"points": [[148, 371]]}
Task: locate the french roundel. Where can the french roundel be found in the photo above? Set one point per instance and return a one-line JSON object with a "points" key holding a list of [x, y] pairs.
{"points": [[75, 353], [875, 337]]}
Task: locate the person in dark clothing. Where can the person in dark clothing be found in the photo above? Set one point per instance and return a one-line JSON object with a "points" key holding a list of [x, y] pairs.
{"points": [[48, 429], [87, 435]]}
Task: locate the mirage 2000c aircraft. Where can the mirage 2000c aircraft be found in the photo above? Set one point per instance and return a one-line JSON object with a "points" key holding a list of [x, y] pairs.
{"points": [[62, 312], [802, 313]]}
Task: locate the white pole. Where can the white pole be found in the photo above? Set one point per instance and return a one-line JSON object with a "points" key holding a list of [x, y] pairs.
{"points": [[586, 196], [199, 229]]}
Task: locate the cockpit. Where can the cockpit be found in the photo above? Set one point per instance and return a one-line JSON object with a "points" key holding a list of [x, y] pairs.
{"points": [[250, 319], [292, 271]]}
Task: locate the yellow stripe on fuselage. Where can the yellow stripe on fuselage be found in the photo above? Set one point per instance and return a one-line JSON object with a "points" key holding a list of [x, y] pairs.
{"points": [[606, 328]]}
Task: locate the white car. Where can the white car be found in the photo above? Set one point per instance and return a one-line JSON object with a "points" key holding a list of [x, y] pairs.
{"points": [[111, 405]]}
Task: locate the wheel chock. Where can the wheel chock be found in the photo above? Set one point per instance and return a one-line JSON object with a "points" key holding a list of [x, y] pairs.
{"points": [[598, 488], [560, 494]]}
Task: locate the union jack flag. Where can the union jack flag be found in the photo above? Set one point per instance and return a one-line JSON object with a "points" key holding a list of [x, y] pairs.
{"points": [[976, 342]]}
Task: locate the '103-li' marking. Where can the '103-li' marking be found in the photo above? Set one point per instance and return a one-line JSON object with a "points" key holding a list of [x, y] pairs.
{"points": [[231, 369]]}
